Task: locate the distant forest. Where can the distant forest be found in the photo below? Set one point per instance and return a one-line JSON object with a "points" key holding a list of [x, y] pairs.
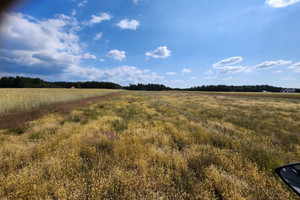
{"points": [[25, 82]]}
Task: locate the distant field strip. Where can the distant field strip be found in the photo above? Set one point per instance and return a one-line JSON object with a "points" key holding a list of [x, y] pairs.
{"points": [[25, 98], [253, 94]]}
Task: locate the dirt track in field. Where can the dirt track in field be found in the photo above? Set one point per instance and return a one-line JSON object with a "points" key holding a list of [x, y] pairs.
{"points": [[17, 119]]}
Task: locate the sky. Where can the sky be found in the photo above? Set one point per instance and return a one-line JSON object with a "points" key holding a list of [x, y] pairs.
{"points": [[172, 42]]}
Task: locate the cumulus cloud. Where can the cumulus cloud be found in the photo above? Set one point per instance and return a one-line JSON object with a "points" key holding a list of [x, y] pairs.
{"points": [[228, 61], [122, 75], [281, 3], [231, 65], [170, 73], [56, 53], [227, 66], [98, 36], [126, 24], [295, 67], [88, 56], [185, 71], [160, 52], [272, 64], [210, 77], [116, 54], [96, 19], [102, 60], [232, 69], [55, 47], [82, 3]]}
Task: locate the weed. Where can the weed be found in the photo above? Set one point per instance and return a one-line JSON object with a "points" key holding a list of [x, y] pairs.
{"points": [[35, 136], [18, 130]]}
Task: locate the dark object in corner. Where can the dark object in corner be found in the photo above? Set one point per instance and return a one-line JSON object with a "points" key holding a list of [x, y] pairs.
{"points": [[290, 174]]}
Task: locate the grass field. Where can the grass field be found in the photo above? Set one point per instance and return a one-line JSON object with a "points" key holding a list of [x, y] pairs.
{"points": [[155, 145], [26, 98]]}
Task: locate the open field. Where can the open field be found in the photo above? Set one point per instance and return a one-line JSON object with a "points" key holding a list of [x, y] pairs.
{"points": [[255, 94], [155, 145], [26, 98]]}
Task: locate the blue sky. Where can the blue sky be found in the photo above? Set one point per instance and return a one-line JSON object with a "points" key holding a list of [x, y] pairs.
{"points": [[172, 42]]}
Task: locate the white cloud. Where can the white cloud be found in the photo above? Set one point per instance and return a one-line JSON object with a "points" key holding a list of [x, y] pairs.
{"points": [[83, 3], [185, 71], [116, 54], [228, 61], [278, 71], [272, 64], [89, 56], [210, 77], [227, 66], [55, 47], [160, 52], [74, 12], [98, 36], [193, 77], [122, 75], [232, 69], [102, 60], [295, 67], [227, 79], [170, 73], [289, 79], [126, 24], [208, 72], [56, 53], [96, 19], [281, 3]]}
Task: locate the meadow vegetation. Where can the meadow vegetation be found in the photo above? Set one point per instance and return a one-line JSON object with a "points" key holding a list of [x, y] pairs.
{"points": [[155, 145], [26, 98]]}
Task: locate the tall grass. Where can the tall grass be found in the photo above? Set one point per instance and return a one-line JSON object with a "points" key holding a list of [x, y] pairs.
{"points": [[155, 145], [20, 99]]}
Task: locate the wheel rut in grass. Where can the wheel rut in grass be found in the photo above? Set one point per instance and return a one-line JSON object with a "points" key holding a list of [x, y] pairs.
{"points": [[20, 118]]}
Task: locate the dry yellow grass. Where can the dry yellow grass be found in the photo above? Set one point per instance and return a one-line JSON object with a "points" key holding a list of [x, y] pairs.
{"points": [[155, 145], [25, 98]]}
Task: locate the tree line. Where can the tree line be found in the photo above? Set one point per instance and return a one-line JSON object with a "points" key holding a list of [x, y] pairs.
{"points": [[212, 88], [25, 82], [148, 87], [244, 88]]}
